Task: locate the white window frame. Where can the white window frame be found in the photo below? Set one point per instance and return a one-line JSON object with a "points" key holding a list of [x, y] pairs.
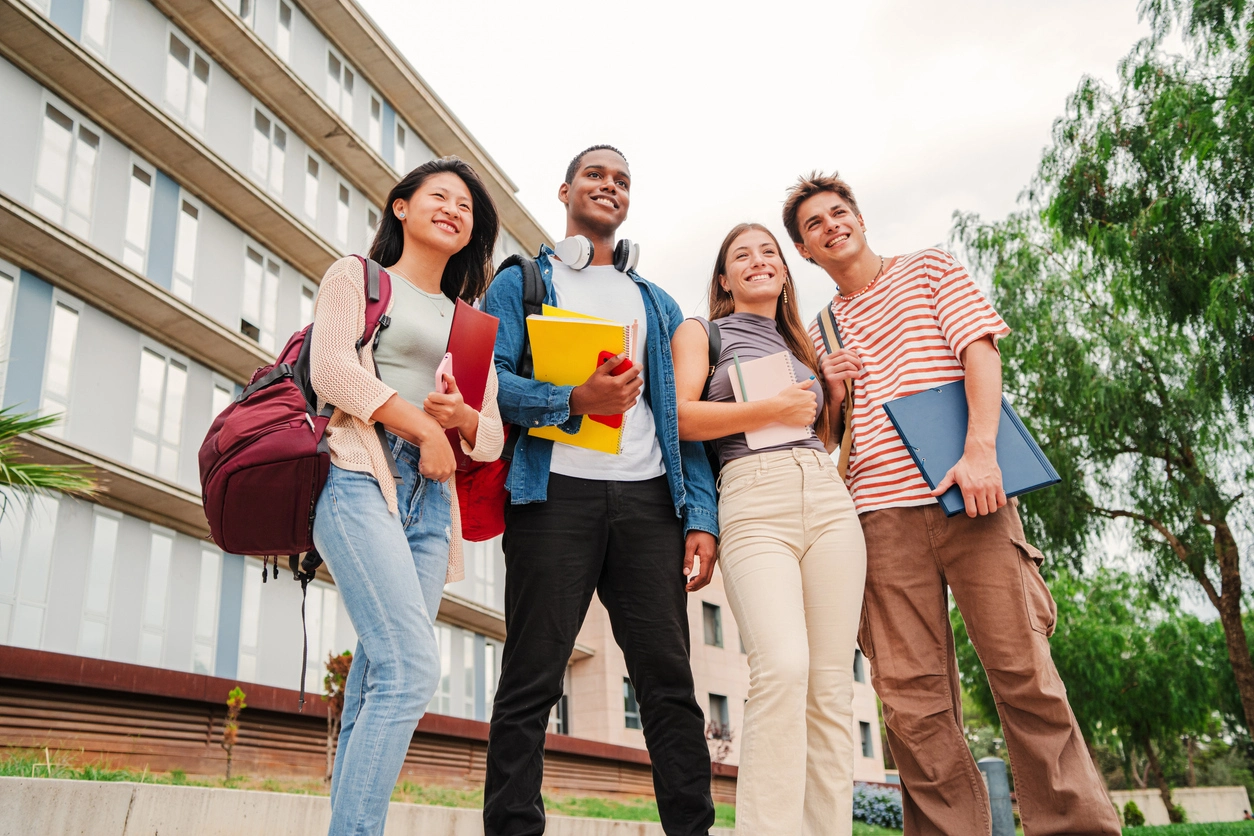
{"points": [[283, 34], [132, 252], [343, 211], [251, 623], [50, 402], [205, 620], [264, 159], [374, 128], [372, 226], [321, 614], [308, 297], [399, 146], [183, 284], [246, 10], [165, 447], [61, 209], [19, 588], [222, 393], [264, 317], [11, 273], [189, 113], [102, 616], [152, 630], [340, 90], [309, 202], [41, 6], [98, 45]]}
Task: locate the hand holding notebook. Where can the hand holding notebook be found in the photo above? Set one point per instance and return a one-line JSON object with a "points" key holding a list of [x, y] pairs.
{"points": [[758, 380]]}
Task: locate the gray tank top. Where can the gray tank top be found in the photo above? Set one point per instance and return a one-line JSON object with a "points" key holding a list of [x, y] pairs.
{"points": [[749, 337], [412, 347]]}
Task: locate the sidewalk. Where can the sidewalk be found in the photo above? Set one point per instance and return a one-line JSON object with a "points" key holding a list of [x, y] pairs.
{"points": [[53, 807]]}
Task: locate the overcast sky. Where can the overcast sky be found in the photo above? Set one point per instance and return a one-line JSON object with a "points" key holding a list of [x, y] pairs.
{"points": [[924, 107]]}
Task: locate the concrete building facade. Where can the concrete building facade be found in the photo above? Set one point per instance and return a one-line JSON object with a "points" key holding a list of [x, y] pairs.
{"points": [[175, 177]]}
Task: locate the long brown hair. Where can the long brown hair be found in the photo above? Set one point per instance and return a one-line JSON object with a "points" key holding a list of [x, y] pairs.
{"points": [[787, 318]]}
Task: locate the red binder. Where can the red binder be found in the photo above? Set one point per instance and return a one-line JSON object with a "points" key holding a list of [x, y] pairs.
{"points": [[472, 342]]}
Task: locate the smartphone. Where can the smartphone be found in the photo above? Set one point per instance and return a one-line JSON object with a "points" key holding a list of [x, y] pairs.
{"points": [[445, 367]]}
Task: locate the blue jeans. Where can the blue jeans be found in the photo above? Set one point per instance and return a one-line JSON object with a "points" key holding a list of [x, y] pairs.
{"points": [[390, 573]]}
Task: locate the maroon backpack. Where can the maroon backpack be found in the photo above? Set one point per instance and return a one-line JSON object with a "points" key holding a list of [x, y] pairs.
{"points": [[265, 458]]}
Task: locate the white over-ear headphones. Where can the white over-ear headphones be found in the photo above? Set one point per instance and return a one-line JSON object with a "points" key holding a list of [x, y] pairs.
{"points": [[577, 252]]}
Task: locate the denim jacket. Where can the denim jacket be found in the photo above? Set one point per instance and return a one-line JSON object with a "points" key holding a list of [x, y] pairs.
{"points": [[533, 403]]}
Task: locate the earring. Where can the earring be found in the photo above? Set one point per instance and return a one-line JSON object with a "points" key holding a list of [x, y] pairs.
{"points": [[785, 294], [401, 216]]}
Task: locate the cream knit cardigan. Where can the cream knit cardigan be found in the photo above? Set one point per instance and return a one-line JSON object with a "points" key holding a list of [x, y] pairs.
{"points": [[345, 377]]}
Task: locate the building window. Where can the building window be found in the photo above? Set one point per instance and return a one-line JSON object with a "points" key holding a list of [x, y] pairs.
{"points": [[96, 24], [222, 397], [868, 745], [283, 37], [468, 675], [59, 370], [375, 134], [25, 567], [321, 606], [250, 625], [185, 251], [372, 227], [481, 566], [491, 674], [269, 151], [442, 701], [156, 594], [398, 151], [720, 722], [307, 295], [247, 11], [94, 630], [559, 716], [66, 173], [8, 273], [340, 87], [159, 414], [138, 215], [206, 636], [261, 298], [341, 216], [631, 708], [859, 666], [712, 616], [186, 83], [311, 188]]}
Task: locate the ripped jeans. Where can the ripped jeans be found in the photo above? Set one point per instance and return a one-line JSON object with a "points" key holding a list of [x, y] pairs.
{"points": [[390, 571]]}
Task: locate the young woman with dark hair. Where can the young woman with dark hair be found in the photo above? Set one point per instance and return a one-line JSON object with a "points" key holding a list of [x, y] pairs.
{"points": [[791, 548], [393, 539]]}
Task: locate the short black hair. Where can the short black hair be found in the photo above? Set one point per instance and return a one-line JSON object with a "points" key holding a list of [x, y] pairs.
{"points": [[573, 168]]}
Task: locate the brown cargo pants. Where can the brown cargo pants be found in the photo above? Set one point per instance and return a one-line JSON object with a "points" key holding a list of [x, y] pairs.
{"points": [[914, 556]]}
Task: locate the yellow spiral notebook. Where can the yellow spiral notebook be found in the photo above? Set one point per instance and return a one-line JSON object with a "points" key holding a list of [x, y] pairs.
{"points": [[565, 349]]}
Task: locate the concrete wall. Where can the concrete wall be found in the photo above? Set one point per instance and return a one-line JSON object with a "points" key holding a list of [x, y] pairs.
{"points": [[64, 808], [1201, 804]]}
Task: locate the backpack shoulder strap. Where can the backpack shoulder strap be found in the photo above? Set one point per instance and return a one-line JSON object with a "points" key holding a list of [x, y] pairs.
{"points": [[715, 338], [532, 301], [830, 333], [378, 297]]}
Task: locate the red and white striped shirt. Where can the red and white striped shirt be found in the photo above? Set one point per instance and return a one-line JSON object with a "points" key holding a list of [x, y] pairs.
{"points": [[909, 328]]}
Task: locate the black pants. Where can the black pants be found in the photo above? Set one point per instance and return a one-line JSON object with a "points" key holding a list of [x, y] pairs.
{"points": [[623, 541]]}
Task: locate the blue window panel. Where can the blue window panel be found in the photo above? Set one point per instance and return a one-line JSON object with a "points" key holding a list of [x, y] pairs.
{"points": [[230, 608], [68, 14], [165, 214], [31, 321], [389, 132]]}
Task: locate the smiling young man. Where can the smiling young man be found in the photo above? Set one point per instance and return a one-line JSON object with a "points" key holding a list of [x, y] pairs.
{"points": [[908, 323], [626, 527]]}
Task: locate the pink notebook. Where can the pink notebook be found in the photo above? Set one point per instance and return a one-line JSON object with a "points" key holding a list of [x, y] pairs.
{"points": [[765, 378]]}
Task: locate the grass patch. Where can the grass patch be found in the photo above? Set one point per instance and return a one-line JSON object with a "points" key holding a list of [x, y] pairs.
{"points": [[860, 829], [1232, 828]]}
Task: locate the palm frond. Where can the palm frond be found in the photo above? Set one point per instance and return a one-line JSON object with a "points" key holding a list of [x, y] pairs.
{"points": [[25, 478]]}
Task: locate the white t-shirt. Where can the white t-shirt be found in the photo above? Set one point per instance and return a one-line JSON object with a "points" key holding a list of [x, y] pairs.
{"points": [[604, 292]]}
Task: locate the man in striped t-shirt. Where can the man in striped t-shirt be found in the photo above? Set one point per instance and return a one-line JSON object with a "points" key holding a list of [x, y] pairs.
{"points": [[908, 323]]}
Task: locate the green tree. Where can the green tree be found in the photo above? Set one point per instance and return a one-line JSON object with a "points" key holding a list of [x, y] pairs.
{"points": [[1127, 278], [20, 478]]}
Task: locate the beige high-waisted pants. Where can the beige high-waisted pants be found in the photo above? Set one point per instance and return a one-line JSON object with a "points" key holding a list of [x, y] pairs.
{"points": [[794, 564]]}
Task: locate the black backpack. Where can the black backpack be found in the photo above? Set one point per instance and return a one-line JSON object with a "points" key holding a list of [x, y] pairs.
{"points": [[533, 303], [716, 352]]}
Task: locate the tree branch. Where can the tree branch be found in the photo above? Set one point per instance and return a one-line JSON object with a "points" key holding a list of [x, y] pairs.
{"points": [[1176, 544]]}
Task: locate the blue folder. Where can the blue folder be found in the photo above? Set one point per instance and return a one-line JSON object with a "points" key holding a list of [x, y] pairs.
{"points": [[933, 425]]}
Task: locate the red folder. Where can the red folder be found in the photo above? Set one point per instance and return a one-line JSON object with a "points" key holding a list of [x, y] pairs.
{"points": [[472, 342]]}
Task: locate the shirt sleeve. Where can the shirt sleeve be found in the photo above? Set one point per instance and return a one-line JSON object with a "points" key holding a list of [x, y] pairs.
{"points": [[963, 311]]}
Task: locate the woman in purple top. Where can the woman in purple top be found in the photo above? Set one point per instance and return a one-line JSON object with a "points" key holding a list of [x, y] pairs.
{"points": [[791, 548]]}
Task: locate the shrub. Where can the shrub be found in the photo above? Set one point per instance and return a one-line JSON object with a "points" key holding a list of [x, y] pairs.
{"points": [[1132, 815], [877, 805]]}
